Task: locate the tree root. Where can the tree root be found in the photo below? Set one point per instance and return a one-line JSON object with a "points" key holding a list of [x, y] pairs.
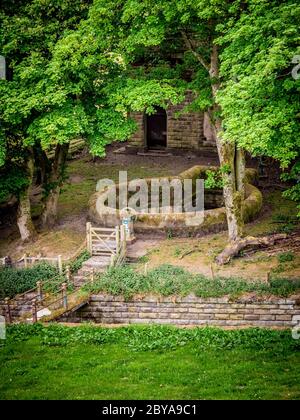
{"points": [[234, 248]]}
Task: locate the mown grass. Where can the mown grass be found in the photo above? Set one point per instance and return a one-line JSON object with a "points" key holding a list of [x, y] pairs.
{"points": [[168, 280], [88, 362]]}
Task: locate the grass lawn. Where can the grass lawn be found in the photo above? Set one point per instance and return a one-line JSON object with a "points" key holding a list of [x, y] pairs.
{"points": [[127, 368]]}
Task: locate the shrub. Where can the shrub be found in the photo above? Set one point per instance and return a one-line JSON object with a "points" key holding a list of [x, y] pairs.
{"points": [[14, 281], [168, 280], [286, 257], [77, 264]]}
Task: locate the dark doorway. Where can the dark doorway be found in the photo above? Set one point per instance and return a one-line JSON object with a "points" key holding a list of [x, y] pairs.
{"points": [[156, 129]]}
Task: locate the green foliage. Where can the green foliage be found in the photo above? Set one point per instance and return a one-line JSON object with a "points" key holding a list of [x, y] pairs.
{"points": [[126, 363], [293, 176], [35, 110], [59, 126], [81, 68], [286, 257], [177, 252], [144, 95], [286, 222], [168, 280], [213, 179], [13, 181], [160, 338], [170, 233], [77, 264], [14, 281], [55, 283], [2, 148], [260, 99]]}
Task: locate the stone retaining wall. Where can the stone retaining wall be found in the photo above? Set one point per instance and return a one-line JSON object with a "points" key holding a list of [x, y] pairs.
{"points": [[189, 310]]}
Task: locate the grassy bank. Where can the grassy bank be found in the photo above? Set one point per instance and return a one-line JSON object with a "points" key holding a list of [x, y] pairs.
{"points": [[148, 363], [169, 280]]}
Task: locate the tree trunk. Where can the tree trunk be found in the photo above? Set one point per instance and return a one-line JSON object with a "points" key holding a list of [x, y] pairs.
{"points": [[24, 220], [49, 215], [44, 166], [231, 161], [240, 171]]}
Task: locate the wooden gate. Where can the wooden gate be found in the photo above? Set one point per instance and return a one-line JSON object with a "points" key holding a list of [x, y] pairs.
{"points": [[109, 242]]}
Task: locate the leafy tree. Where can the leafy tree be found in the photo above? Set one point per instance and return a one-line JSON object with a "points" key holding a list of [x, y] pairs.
{"points": [[260, 99], [28, 34], [16, 179], [57, 93], [81, 72], [239, 55], [149, 31]]}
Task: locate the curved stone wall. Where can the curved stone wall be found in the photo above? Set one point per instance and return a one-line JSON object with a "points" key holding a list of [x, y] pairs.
{"points": [[214, 219]]}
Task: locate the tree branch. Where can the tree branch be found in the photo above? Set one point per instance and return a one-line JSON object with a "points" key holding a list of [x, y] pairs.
{"points": [[234, 248], [190, 47]]}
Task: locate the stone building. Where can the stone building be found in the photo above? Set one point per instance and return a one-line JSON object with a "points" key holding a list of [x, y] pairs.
{"points": [[165, 130]]}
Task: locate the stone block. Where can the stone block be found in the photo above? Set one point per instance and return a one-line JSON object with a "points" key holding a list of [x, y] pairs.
{"points": [[283, 317], [251, 317], [267, 317]]}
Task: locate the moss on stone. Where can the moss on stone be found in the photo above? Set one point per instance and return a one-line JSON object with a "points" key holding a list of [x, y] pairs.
{"points": [[253, 202], [214, 219]]}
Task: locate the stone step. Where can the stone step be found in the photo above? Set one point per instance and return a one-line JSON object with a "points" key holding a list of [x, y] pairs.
{"points": [[87, 271], [79, 281], [155, 153], [99, 264], [99, 260], [25, 297]]}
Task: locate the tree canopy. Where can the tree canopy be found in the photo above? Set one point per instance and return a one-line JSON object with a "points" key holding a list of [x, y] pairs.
{"points": [[81, 67]]}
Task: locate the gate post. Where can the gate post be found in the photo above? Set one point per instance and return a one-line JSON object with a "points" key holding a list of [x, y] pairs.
{"points": [[68, 273], [7, 311], [118, 239], [34, 313], [64, 295], [59, 264], [39, 291], [88, 238]]}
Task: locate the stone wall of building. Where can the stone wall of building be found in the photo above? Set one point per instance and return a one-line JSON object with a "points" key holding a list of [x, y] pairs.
{"points": [[185, 131], [189, 310], [138, 139]]}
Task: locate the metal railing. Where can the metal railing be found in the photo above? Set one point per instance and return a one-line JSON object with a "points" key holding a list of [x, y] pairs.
{"points": [[62, 302]]}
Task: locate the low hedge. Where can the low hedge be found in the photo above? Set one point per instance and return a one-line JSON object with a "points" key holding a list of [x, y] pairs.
{"points": [[14, 281]]}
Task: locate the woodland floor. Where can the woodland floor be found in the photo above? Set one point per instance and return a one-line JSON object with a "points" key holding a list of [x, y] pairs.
{"points": [[83, 174]]}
